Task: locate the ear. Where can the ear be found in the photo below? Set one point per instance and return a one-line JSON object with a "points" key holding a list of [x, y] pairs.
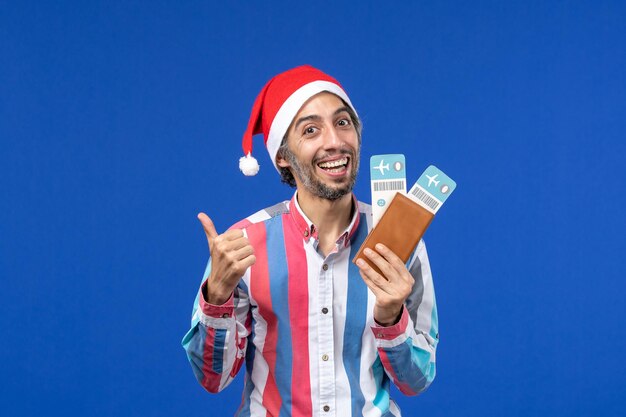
{"points": [[281, 162]]}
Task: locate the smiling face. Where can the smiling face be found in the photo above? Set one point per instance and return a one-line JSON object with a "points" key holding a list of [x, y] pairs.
{"points": [[322, 149]]}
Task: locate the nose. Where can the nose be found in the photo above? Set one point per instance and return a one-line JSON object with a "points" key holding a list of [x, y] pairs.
{"points": [[332, 139]]}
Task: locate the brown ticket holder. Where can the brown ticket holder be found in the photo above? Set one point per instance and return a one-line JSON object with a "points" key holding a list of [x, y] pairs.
{"points": [[400, 228]]}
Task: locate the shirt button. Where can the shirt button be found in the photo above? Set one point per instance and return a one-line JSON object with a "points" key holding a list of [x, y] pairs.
{"points": [[325, 267], [324, 357], [306, 233], [225, 315], [324, 310], [326, 408]]}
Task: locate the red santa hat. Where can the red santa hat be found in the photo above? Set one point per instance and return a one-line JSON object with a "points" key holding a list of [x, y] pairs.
{"points": [[276, 106]]}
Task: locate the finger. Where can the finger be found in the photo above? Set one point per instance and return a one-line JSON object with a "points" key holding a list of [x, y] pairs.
{"points": [[370, 272], [244, 252], [224, 245], [372, 278], [247, 262], [375, 287], [208, 226], [393, 260], [387, 270], [233, 234]]}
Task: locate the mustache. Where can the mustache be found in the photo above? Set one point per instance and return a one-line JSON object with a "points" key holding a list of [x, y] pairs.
{"points": [[347, 152]]}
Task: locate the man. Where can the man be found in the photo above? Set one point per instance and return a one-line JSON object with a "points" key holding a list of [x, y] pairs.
{"points": [[320, 336]]}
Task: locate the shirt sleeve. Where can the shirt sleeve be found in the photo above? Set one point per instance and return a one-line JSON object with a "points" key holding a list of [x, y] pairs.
{"points": [[407, 349], [217, 340]]}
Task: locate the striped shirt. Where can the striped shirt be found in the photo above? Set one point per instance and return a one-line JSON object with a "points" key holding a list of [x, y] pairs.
{"points": [[303, 325]]}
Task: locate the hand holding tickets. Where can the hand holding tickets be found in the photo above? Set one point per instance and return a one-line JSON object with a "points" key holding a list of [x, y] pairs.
{"points": [[391, 287], [231, 255], [398, 232]]}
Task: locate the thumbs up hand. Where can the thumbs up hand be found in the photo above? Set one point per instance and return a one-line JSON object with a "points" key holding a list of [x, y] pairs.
{"points": [[231, 255]]}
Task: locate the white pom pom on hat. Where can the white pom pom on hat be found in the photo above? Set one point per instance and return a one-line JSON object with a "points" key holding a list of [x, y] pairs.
{"points": [[277, 104], [248, 165]]}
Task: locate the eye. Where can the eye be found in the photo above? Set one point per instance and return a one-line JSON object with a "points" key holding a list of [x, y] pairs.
{"points": [[344, 122], [309, 130]]}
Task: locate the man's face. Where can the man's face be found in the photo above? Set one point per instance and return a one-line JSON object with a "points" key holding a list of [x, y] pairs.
{"points": [[323, 148]]}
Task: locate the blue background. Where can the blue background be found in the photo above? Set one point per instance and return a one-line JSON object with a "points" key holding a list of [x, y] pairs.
{"points": [[119, 121]]}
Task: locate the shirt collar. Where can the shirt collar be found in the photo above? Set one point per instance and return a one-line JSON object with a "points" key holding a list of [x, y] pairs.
{"points": [[308, 230]]}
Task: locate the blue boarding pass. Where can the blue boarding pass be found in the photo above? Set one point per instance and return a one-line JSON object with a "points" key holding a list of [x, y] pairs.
{"points": [[388, 177], [432, 189]]}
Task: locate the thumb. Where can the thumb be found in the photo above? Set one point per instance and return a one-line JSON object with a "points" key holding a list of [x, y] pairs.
{"points": [[208, 226]]}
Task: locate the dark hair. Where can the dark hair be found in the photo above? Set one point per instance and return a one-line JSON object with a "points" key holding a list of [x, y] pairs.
{"points": [[285, 173]]}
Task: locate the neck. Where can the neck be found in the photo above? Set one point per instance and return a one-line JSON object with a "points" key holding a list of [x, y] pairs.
{"points": [[330, 218]]}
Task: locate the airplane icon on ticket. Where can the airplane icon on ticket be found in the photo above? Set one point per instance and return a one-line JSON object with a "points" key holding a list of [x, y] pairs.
{"points": [[382, 167], [431, 180]]}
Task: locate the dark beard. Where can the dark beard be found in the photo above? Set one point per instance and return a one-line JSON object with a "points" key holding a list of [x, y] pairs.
{"points": [[318, 188]]}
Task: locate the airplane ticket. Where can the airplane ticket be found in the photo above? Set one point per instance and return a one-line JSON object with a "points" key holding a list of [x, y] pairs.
{"points": [[432, 189], [388, 176]]}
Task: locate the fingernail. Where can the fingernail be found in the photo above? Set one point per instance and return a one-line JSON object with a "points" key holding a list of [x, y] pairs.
{"points": [[360, 262], [379, 246], [368, 251]]}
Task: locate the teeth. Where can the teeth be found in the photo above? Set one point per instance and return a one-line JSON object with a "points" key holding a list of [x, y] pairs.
{"points": [[334, 164]]}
